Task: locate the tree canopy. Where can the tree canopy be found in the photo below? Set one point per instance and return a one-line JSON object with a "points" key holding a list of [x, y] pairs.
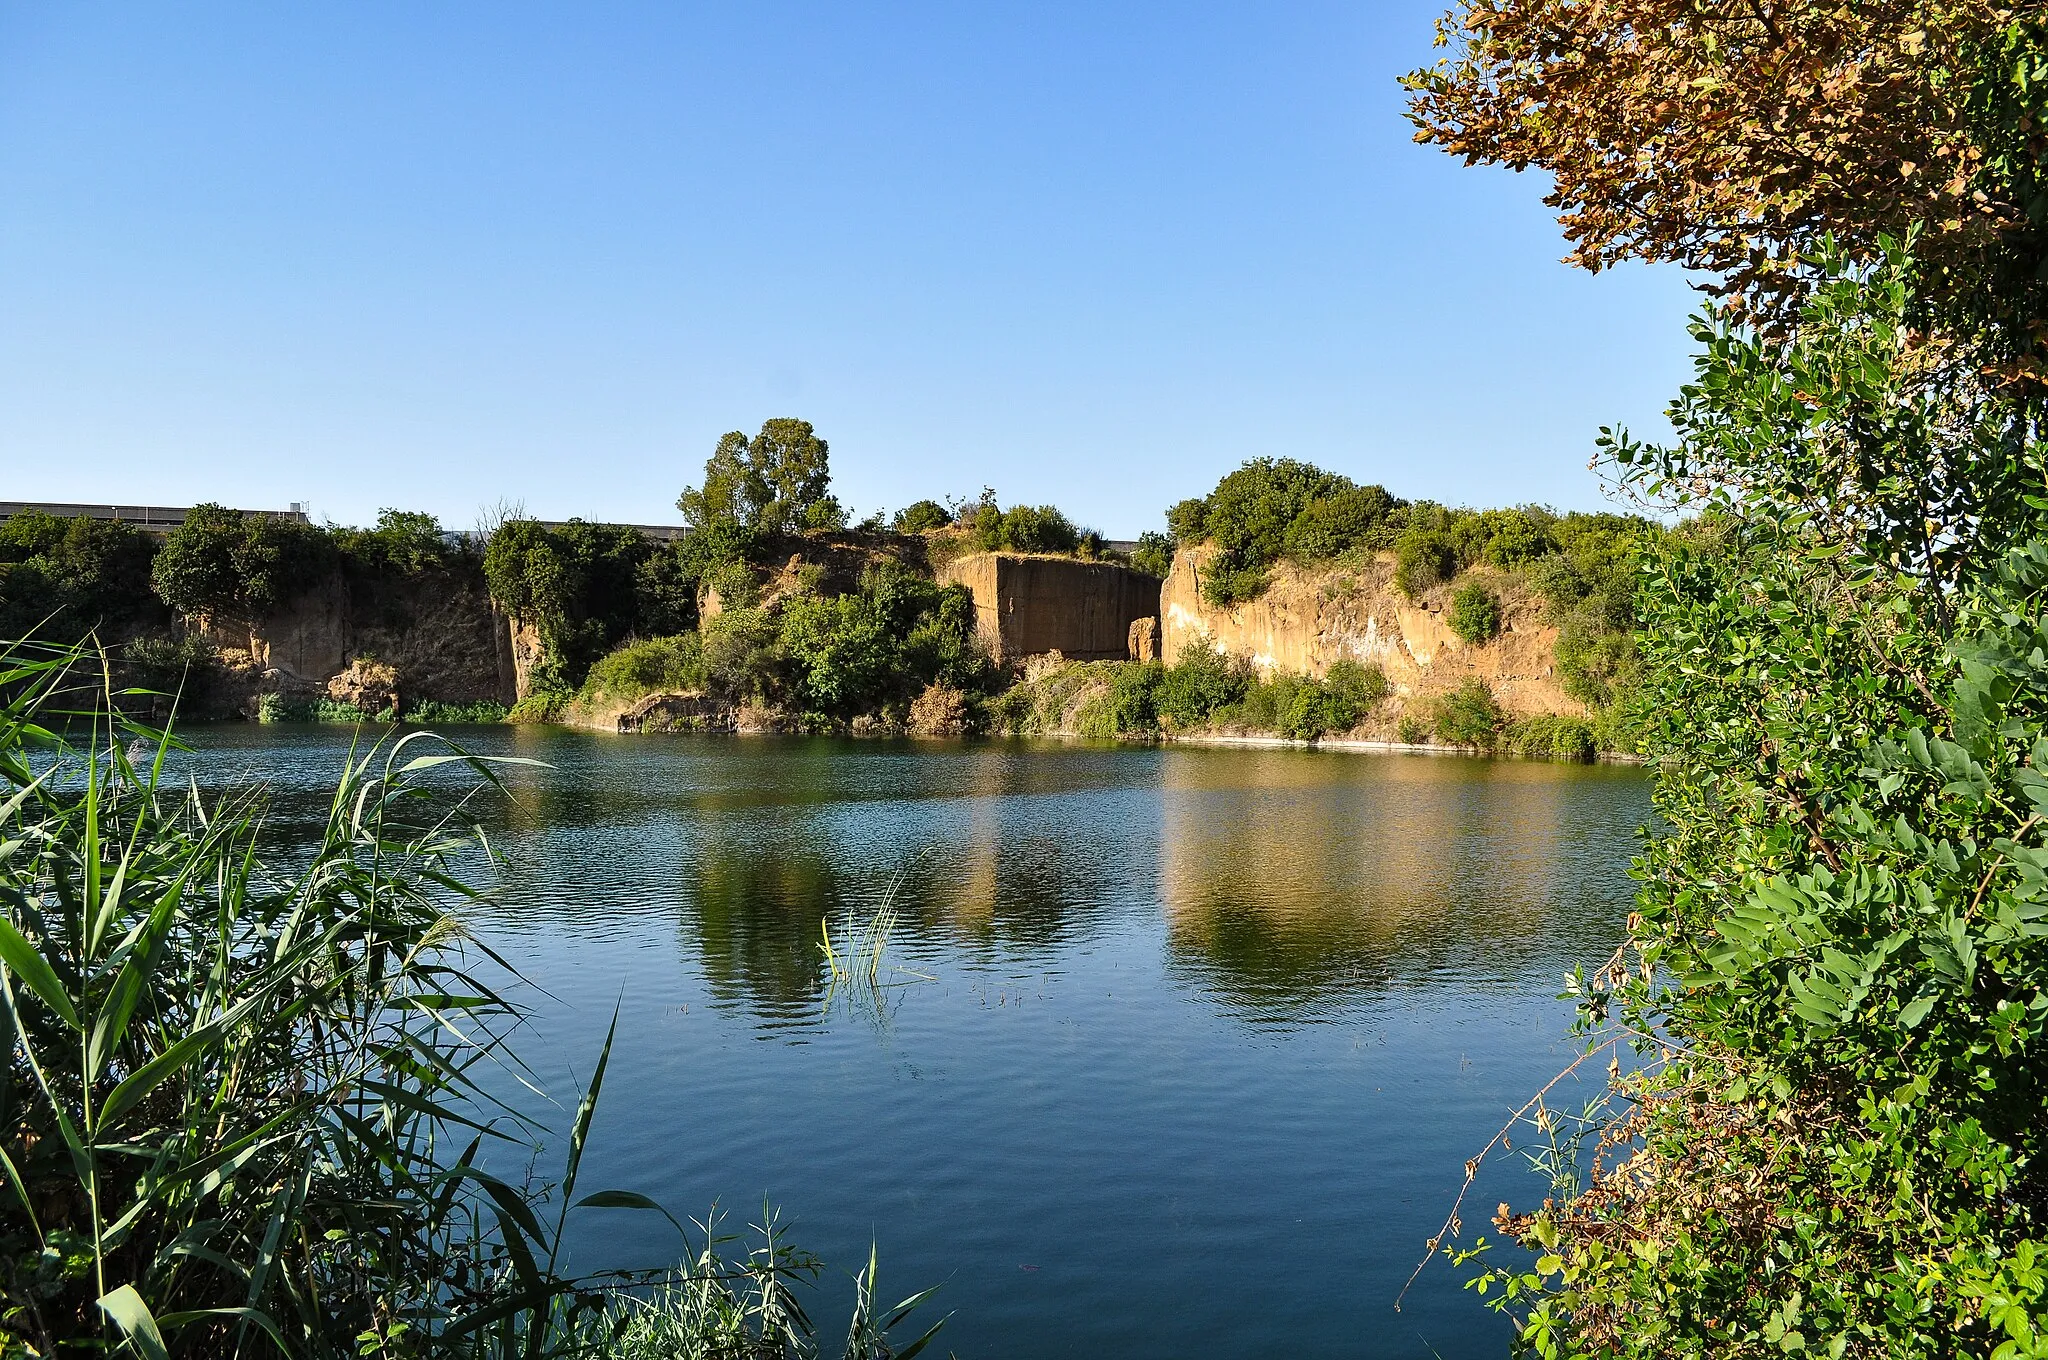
{"points": [[776, 482]]}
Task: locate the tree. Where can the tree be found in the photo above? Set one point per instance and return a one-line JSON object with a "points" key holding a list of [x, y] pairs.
{"points": [[776, 482], [921, 517], [1741, 139], [221, 560]]}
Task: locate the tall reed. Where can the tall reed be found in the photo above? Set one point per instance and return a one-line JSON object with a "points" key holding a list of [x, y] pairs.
{"points": [[242, 1114]]}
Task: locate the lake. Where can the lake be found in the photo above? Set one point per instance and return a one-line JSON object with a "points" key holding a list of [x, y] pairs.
{"points": [[1206, 1039]]}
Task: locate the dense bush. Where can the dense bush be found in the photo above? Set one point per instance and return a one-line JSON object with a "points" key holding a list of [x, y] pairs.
{"points": [[1425, 555], [1474, 614], [1270, 508], [1553, 738], [1200, 684], [227, 561], [824, 660], [64, 578], [435, 712], [579, 585], [662, 665], [1023, 528], [1468, 716], [1154, 554], [921, 517]]}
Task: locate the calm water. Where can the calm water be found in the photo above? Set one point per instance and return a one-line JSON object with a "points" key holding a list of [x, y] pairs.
{"points": [[1209, 1035]]}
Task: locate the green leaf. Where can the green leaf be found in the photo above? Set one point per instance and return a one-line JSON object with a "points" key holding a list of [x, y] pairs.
{"points": [[23, 960], [138, 1327]]}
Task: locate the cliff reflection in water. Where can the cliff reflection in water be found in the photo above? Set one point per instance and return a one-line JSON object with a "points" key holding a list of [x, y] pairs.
{"points": [[1292, 881]]}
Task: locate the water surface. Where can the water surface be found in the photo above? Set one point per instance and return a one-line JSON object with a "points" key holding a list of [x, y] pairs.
{"points": [[1208, 1035]]}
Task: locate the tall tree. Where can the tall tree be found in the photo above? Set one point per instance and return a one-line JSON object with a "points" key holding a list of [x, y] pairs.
{"points": [[777, 481]]}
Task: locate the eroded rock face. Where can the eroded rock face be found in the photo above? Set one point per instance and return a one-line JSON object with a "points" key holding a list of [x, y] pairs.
{"points": [[1308, 620], [1026, 605], [438, 636]]}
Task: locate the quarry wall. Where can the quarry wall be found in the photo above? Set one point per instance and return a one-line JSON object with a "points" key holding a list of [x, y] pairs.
{"points": [[1310, 618], [1026, 605], [438, 635]]}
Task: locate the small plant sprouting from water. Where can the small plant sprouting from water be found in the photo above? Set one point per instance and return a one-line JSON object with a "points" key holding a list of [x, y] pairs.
{"points": [[855, 957]]}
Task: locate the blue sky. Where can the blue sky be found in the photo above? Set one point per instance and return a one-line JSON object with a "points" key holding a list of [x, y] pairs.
{"points": [[431, 256]]}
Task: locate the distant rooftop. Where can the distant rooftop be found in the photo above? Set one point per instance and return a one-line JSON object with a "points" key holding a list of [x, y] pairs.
{"points": [[160, 518]]}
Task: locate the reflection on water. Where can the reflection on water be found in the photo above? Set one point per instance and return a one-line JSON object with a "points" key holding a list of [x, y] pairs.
{"points": [[1191, 1008]]}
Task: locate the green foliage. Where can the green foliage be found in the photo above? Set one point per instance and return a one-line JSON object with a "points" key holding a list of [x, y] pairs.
{"points": [[1154, 554], [1475, 613], [65, 578], [1205, 688], [776, 482], [1200, 684], [404, 543], [1127, 707], [662, 665], [1841, 938], [225, 561], [1339, 521], [1468, 716], [277, 708], [1553, 738], [437, 712], [1271, 508], [1024, 529], [921, 517], [579, 585], [825, 660], [876, 649], [1425, 555], [540, 706]]}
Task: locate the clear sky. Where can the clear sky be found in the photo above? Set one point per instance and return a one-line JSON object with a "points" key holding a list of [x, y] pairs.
{"points": [[1094, 254]]}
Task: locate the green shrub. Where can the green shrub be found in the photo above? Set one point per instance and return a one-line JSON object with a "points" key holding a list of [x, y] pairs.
{"points": [[64, 578], [1553, 738], [1270, 508], [431, 712], [1412, 729], [540, 706], [1129, 706], [1348, 518], [224, 561], [664, 665], [1202, 682], [579, 585], [1024, 529], [1154, 554], [1475, 613], [1424, 556], [921, 517], [1357, 686], [1468, 716]]}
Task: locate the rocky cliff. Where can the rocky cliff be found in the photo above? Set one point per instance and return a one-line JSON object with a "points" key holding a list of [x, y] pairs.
{"points": [[1028, 605], [1308, 619], [433, 636]]}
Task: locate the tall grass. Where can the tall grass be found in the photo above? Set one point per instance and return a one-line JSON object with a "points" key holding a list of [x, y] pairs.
{"points": [[242, 1114]]}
